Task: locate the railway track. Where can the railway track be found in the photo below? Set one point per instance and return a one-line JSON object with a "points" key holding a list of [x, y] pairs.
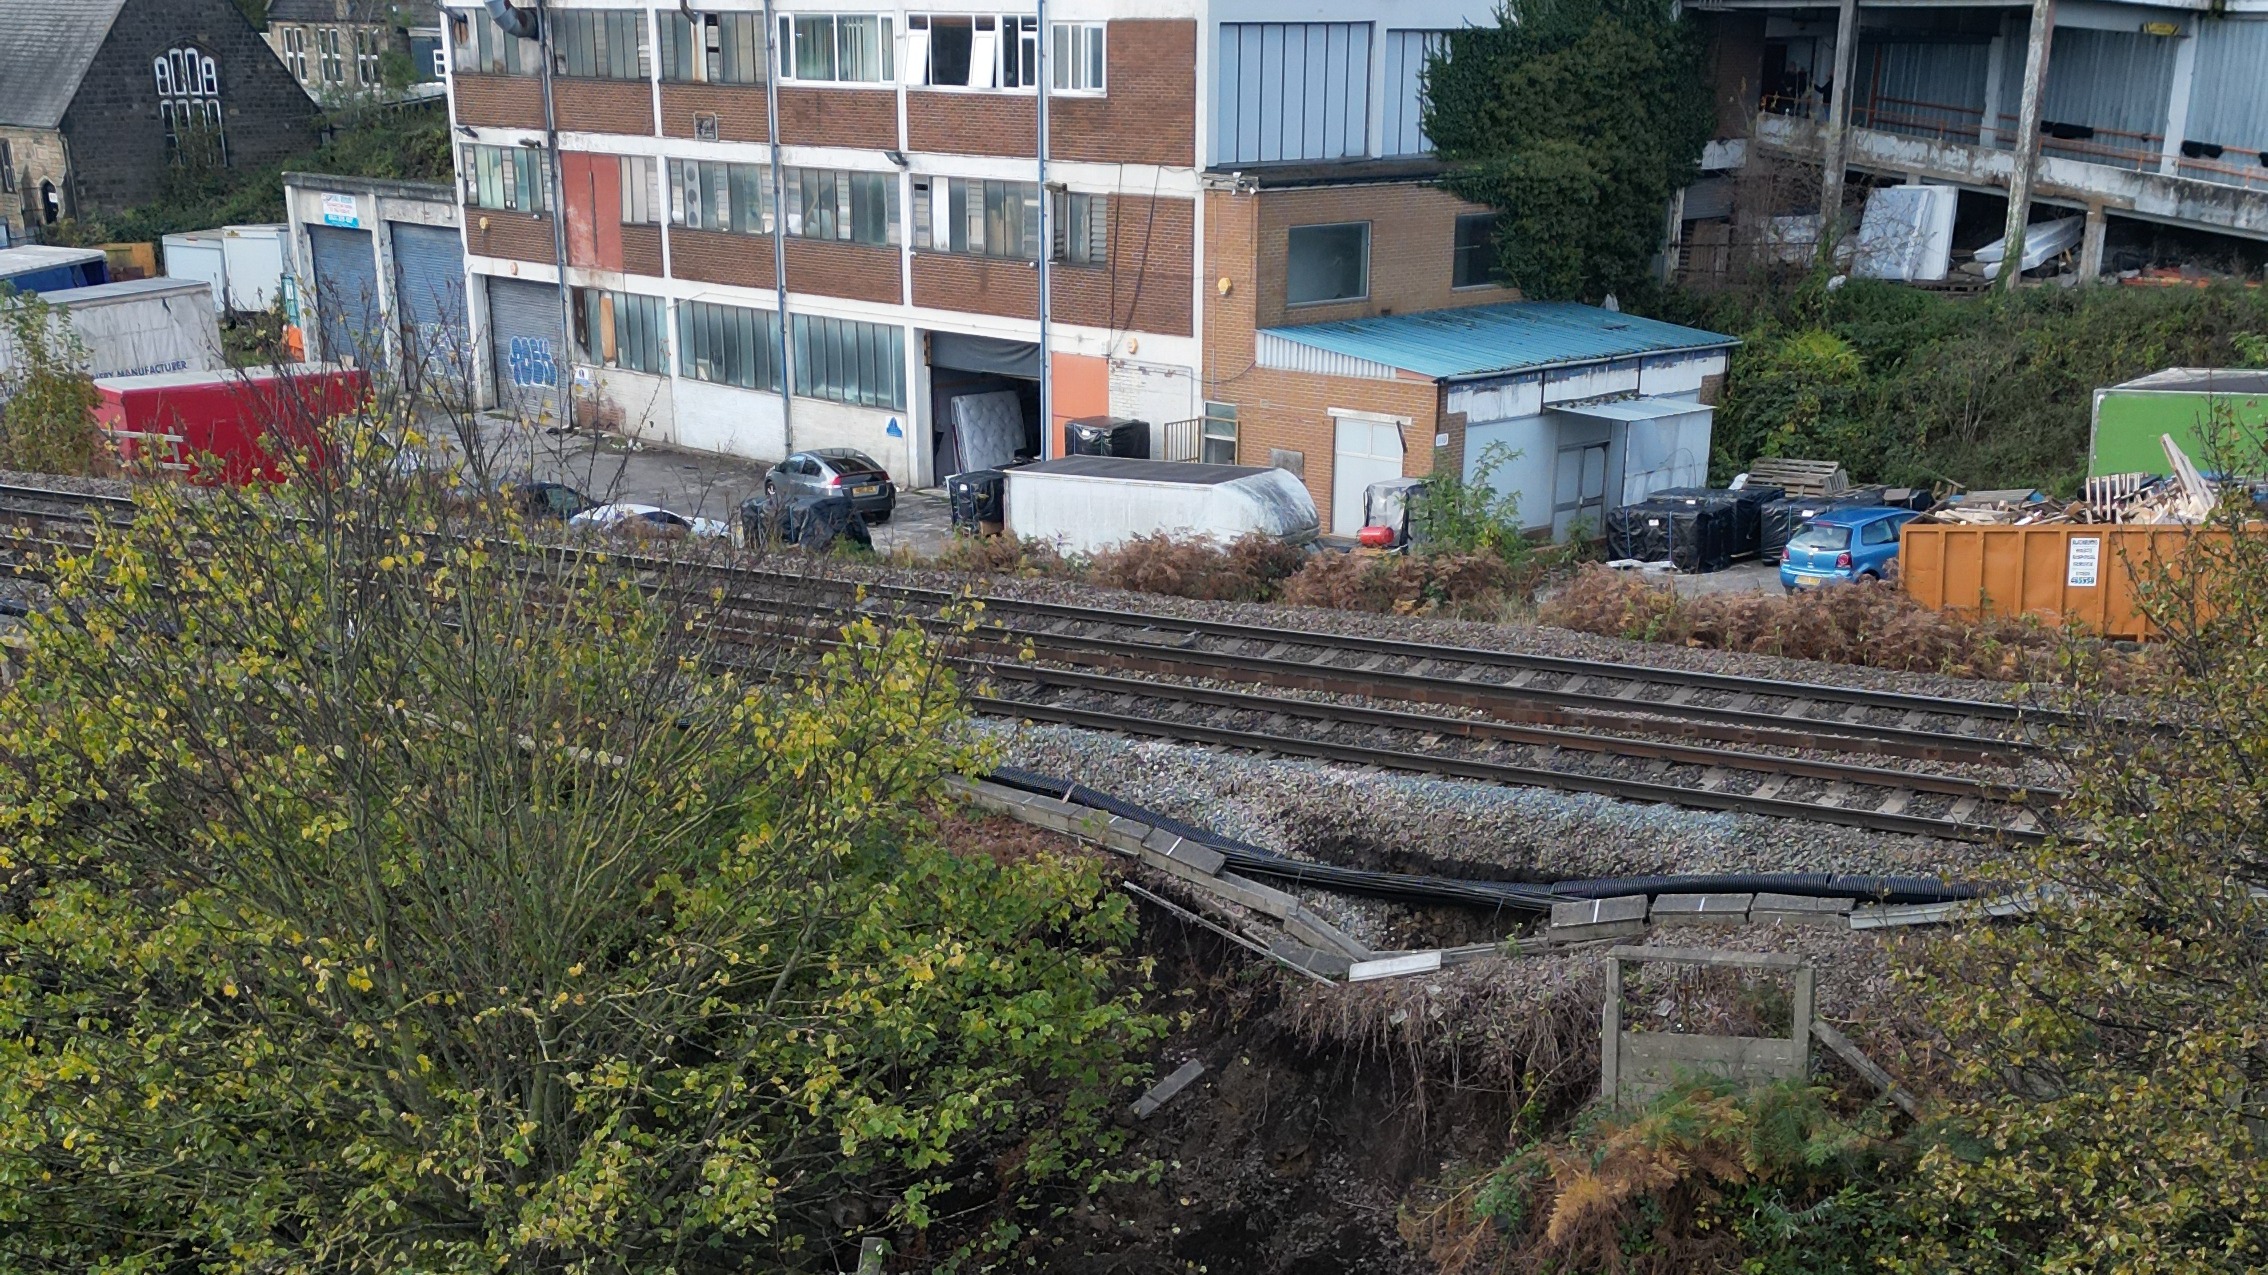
{"points": [[1636, 732]]}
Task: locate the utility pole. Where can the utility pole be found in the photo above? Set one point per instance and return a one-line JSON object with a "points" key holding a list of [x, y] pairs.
{"points": [[562, 361], [2027, 149], [1046, 244], [776, 56], [1837, 148]]}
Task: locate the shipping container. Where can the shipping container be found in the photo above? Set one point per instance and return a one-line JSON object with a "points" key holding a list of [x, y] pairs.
{"points": [[2087, 575], [199, 255], [2131, 419], [231, 426], [1084, 504], [257, 259], [37, 268], [136, 327]]}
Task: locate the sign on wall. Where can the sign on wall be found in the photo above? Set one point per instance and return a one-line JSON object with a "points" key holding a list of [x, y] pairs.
{"points": [[2084, 562], [341, 210]]}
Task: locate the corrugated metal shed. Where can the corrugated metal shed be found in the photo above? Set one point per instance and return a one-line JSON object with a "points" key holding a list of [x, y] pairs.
{"points": [[45, 49], [1490, 340], [2228, 101]]}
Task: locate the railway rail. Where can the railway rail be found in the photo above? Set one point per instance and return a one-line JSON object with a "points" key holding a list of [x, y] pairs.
{"points": [[1630, 731]]}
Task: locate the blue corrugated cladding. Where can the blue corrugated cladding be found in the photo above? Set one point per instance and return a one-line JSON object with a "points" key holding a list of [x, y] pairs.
{"points": [[1493, 339], [1291, 91], [2115, 82], [2228, 101], [1403, 132], [1933, 88]]}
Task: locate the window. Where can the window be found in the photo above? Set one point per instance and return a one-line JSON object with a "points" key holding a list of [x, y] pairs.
{"points": [[366, 58], [334, 63], [607, 44], [706, 195], [484, 49], [713, 48], [850, 362], [1219, 447], [512, 178], [1475, 265], [1082, 229], [189, 106], [7, 168], [295, 52], [641, 191], [620, 329], [1879, 533], [1076, 57], [843, 48], [728, 344], [981, 218], [982, 51], [823, 203], [440, 64], [1328, 263]]}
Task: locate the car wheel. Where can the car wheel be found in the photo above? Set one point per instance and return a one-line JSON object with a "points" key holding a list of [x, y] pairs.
{"points": [[1791, 589], [878, 519], [1872, 576]]}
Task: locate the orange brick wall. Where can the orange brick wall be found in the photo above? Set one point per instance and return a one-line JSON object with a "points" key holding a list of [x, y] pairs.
{"points": [[860, 117], [1289, 410], [863, 272], [979, 285], [641, 250], [739, 109], [603, 106], [500, 101], [1148, 114], [1413, 233], [520, 236], [1146, 285], [713, 256]]}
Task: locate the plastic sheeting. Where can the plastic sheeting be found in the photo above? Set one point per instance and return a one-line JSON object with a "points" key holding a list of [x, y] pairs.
{"points": [[1906, 233], [987, 430]]}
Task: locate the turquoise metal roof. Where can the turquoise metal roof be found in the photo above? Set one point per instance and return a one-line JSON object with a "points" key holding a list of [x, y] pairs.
{"points": [[1492, 340]]}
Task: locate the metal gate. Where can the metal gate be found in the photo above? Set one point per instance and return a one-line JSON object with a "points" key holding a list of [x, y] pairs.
{"points": [[346, 295], [523, 344], [429, 291]]}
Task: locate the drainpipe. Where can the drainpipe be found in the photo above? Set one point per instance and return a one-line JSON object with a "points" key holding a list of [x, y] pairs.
{"points": [[775, 62], [1046, 245]]}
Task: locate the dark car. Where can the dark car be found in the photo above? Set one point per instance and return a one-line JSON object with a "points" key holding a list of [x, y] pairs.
{"points": [[836, 471], [548, 500]]}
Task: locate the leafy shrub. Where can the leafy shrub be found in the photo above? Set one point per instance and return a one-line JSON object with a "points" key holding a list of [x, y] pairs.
{"points": [[1249, 570], [1401, 585], [1460, 516], [994, 555], [47, 400], [1871, 623]]}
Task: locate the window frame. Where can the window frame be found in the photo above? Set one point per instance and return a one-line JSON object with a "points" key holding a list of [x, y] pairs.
{"points": [[332, 61], [1090, 212], [1078, 52], [686, 37], [643, 202], [961, 214], [585, 44], [7, 167], [366, 58], [1218, 425], [1291, 238], [1459, 250], [626, 324], [506, 175], [1013, 60], [831, 352], [792, 42], [712, 332]]}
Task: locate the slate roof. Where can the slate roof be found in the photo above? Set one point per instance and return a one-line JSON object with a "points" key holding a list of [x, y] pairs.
{"points": [[45, 50]]}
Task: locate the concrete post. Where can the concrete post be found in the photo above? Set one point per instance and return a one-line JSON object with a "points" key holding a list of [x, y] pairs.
{"points": [[1996, 56], [1835, 155], [2177, 103], [2091, 244], [1672, 233], [2026, 149]]}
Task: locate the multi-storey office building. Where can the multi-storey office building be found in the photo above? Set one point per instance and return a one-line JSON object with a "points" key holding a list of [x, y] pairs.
{"points": [[1216, 171]]}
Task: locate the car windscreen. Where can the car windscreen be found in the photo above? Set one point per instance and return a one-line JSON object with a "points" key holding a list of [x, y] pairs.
{"points": [[1818, 536], [851, 463]]}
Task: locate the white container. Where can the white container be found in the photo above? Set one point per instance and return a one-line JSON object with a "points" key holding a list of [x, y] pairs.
{"points": [[1085, 504], [257, 259], [201, 255], [138, 327]]}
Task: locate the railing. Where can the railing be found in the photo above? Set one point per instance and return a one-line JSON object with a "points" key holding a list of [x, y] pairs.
{"points": [[1182, 440]]}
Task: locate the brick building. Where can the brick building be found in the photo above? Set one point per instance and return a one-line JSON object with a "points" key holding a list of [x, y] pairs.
{"points": [[1214, 172], [100, 100]]}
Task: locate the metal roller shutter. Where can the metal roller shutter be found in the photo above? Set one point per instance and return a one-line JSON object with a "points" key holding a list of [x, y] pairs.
{"points": [[429, 289], [346, 294], [523, 339]]}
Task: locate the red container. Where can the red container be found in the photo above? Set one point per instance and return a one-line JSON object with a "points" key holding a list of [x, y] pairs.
{"points": [[230, 426], [1375, 537]]}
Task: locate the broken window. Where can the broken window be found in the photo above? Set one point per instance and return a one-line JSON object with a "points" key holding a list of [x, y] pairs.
{"points": [[510, 178], [1082, 229], [605, 44], [713, 48], [621, 329], [979, 51], [189, 106], [641, 190], [482, 48], [1327, 263]]}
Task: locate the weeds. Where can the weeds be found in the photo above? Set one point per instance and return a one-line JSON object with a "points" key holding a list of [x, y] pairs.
{"points": [[47, 400], [1870, 623]]}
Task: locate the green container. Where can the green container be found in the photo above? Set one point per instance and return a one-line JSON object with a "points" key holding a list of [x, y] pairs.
{"points": [[2179, 401]]}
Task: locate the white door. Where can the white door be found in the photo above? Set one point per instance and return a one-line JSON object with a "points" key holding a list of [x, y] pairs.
{"points": [[1579, 490], [1368, 450]]}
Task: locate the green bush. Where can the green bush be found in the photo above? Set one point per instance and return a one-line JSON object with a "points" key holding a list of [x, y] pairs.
{"points": [[47, 400]]}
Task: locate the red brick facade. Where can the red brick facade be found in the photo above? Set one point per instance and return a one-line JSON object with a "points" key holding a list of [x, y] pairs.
{"points": [[1149, 110], [739, 109], [603, 106], [1146, 287], [866, 118], [520, 236], [981, 285], [713, 256], [499, 101], [1413, 237], [862, 272], [641, 251], [942, 121]]}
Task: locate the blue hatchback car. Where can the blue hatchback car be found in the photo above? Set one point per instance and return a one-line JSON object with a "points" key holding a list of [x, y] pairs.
{"points": [[1857, 543]]}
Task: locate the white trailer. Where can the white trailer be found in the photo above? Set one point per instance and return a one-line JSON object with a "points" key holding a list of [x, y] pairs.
{"points": [[258, 257], [203, 256], [1084, 504], [137, 327]]}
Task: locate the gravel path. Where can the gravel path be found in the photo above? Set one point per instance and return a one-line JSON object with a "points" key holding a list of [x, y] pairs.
{"points": [[67, 482]]}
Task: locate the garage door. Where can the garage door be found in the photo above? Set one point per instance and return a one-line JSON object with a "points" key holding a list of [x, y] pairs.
{"points": [[429, 290], [346, 294], [1368, 450], [523, 340]]}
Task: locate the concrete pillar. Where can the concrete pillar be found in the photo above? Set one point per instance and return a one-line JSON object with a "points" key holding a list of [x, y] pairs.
{"points": [[2091, 244], [1835, 155], [2177, 103], [1996, 57], [2026, 151], [1673, 234]]}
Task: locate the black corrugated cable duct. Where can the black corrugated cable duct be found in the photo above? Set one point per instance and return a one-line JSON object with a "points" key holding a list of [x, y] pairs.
{"points": [[1251, 860]]}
